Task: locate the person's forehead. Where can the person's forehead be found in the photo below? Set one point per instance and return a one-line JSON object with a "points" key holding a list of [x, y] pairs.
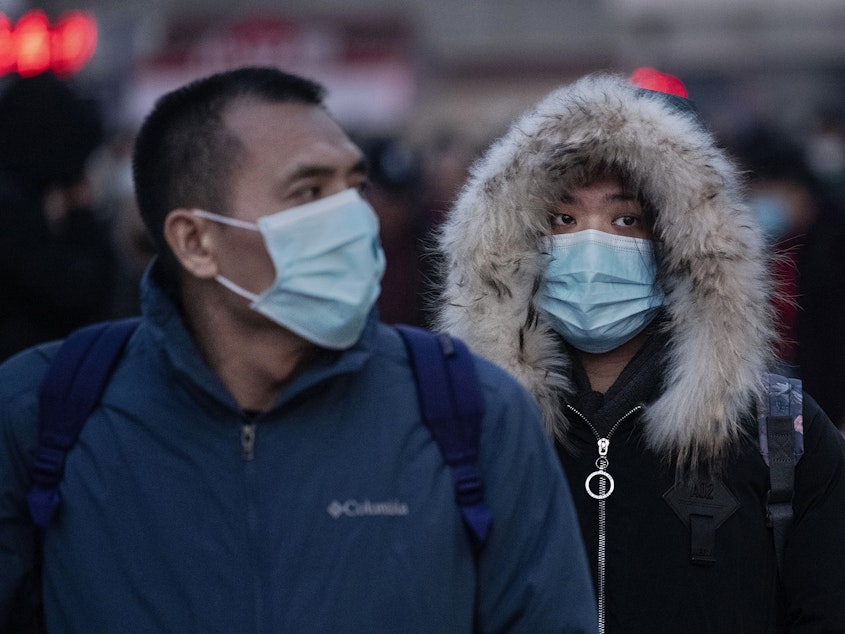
{"points": [[287, 131], [607, 188], [608, 182]]}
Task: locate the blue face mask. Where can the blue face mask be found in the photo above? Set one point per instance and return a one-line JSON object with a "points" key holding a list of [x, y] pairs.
{"points": [[329, 265], [599, 289], [772, 213]]}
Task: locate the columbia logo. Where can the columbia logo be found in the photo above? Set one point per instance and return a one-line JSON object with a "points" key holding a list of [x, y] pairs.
{"points": [[354, 508]]}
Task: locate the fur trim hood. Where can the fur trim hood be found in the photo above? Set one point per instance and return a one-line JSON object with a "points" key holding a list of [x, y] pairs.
{"points": [[712, 261]]}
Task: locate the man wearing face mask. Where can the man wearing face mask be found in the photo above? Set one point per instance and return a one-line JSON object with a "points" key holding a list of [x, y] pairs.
{"points": [[602, 252], [258, 460]]}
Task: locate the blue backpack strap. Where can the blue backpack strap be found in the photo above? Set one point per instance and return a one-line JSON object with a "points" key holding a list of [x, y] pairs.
{"points": [[452, 408], [781, 445], [71, 390]]}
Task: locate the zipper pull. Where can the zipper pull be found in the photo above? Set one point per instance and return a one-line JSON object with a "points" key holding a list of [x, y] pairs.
{"points": [[605, 483], [248, 441], [604, 443]]}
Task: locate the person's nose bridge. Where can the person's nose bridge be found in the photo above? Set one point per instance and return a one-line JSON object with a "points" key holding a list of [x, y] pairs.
{"points": [[336, 184], [340, 180], [592, 218]]}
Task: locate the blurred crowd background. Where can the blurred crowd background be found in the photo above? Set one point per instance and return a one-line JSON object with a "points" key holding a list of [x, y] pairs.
{"points": [[423, 87]]}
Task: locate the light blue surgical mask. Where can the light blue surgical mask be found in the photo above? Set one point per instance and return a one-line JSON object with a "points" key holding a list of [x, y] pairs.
{"points": [[599, 289], [329, 263], [772, 211]]}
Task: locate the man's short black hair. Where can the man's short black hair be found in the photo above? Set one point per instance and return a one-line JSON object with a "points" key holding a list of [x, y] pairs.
{"points": [[184, 156]]}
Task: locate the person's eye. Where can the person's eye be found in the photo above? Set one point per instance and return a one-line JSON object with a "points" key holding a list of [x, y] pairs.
{"points": [[562, 220], [627, 221], [307, 194]]}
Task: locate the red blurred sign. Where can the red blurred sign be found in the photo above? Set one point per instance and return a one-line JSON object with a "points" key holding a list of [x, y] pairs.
{"points": [[33, 46]]}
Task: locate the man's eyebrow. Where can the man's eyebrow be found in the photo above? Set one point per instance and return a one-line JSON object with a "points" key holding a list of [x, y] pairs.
{"points": [[315, 171], [623, 195], [308, 171]]}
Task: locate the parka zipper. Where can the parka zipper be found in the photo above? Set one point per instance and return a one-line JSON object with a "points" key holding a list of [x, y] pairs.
{"points": [[604, 480]]}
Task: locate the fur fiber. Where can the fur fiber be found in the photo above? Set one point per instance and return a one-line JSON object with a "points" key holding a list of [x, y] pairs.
{"points": [[712, 261]]}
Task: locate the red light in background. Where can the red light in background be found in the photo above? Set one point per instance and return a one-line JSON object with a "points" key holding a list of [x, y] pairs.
{"points": [[7, 56], [33, 46], [74, 40]]}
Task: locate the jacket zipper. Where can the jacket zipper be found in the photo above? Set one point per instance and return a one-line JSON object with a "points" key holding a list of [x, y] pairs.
{"points": [[605, 480], [248, 441], [248, 434]]}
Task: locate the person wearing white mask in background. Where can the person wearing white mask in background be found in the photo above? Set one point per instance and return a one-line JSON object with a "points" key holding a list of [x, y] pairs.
{"points": [[258, 462], [603, 253]]}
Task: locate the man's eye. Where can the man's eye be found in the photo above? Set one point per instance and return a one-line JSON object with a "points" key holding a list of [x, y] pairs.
{"points": [[307, 194]]}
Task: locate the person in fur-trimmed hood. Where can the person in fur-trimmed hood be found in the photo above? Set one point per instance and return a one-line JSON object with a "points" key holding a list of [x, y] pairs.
{"points": [[603, 253]]}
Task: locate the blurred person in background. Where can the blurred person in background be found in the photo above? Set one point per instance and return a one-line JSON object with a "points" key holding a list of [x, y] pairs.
{"points": [[821, 293], [56, 258], [786, 200], [394, 189], [821, 287], [805, 228], [602, 251], [821, 352], [446, 162], [824, 150], [111, 173]]}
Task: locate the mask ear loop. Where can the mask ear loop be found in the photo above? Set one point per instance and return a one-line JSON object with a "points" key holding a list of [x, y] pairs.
{"points": [[236, 289], [226, 220], [234, 222]]}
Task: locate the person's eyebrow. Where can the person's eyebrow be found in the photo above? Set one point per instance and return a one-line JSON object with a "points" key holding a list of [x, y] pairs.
{"points": [[623, 195], [305, 171], [301, 172]]}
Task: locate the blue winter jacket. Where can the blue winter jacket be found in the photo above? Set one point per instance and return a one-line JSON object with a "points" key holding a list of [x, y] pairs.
{"points": [[331, 512]]}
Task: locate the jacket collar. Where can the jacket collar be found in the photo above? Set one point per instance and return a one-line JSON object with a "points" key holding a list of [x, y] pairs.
{"points": [[165, 325]]}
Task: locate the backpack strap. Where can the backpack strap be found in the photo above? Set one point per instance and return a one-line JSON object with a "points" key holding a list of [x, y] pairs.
{"points": [[452, 408], [71, 390], [781, 439]]}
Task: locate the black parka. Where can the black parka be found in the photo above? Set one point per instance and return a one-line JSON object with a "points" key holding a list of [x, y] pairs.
{"points": [[688, 395], [652, 584]]}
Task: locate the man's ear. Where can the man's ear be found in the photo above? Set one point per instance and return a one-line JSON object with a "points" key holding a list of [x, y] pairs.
{"points": [[192, 242]]}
